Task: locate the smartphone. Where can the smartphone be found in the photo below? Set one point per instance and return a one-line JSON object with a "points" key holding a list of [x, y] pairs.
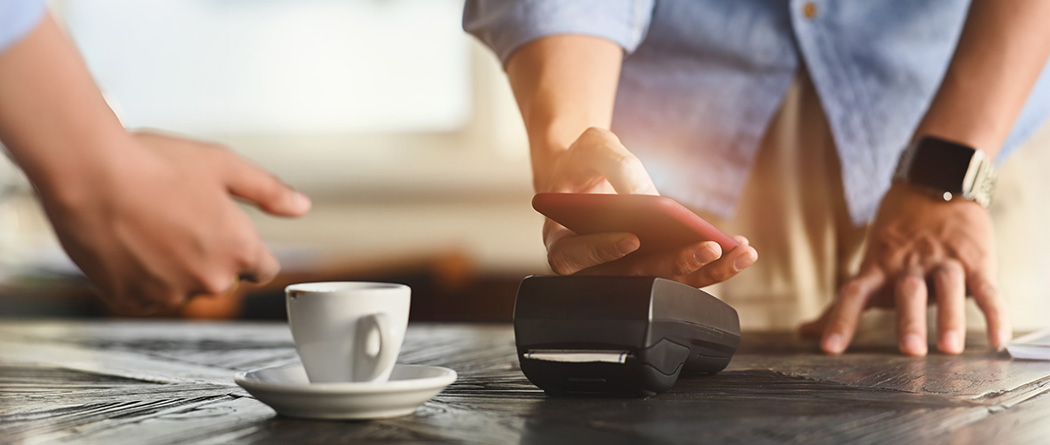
{"points": [[661, 223]]}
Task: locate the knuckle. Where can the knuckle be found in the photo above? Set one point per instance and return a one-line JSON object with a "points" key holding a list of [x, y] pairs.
{"points": [[951, 270], [724, 272], [168, 300], [626, 163], [598, 142], [216, 283], [267, 274], [640, 268], [679, 268], [248, 264], [851, 289], [991, 311], [715, 274], [246, 248], [155, 303], [217, 154], [582, 256], [685, 264], [272, 187], [266, 267], [559, 265], [632, 162], [238, 233], [984, 288], [595, 133], [910, 284], [148, 295], [605, 254], [840, 324], [956, 324], [993, 294], [699, 281], [218, 149]]}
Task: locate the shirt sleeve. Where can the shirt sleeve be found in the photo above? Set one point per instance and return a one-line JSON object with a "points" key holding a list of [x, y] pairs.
{"points": [[1033, 115], [507, 25], [17, 18]]}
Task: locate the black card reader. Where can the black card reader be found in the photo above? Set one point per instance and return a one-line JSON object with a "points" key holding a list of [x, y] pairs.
{"points": [[619, 335]]}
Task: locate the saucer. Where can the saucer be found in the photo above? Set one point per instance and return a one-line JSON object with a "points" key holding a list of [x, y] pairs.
{"points": [[288, 391]]}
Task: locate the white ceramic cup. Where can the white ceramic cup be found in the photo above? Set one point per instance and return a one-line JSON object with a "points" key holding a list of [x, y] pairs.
{"points": [[348, 331]]}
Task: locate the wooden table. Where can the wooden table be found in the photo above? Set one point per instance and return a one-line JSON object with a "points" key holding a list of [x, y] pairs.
{"points": [[149, 382]]}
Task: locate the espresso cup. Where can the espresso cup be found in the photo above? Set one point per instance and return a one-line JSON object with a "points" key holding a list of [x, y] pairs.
{"points": [[348, 331]]}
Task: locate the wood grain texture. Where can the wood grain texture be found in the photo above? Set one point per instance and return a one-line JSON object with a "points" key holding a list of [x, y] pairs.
{"points": [[114, 383]]}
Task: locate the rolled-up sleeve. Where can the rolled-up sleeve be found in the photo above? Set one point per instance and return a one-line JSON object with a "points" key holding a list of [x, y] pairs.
{"points": [[17, 18], [506, 25]]}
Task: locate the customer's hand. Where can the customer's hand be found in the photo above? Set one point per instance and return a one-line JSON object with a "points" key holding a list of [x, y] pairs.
{"points": [[921, 251], [598, 163], [160, 224]]}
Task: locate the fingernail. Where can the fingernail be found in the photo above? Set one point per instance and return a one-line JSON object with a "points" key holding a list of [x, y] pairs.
{"points": [[834, 344], [627, 245], [707, 253], [950, 342], [300, 200], [913, 344], [744, 260]]}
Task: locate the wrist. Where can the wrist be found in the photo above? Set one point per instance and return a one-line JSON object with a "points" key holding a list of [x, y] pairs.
{"points": [[947, 170], [66, 171], [57, 126], [985, 136], [547, 143]]}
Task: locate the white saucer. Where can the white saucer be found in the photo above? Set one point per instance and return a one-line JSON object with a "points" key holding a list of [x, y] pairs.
{"points": [[287, 390]]}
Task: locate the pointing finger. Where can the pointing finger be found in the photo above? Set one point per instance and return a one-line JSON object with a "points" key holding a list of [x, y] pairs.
{"points": [[251, 183]]}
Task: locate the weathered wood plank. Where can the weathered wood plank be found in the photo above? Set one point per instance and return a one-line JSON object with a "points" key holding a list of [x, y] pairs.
{"points": [[172, 383], [160, 422], [1028, 423], [977, 374]]}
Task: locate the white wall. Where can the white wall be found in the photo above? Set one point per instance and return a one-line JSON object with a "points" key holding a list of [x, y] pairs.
{"points": [[399, 125]]}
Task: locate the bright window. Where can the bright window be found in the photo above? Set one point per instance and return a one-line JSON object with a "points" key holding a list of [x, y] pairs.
{"points": [[215, 67]]}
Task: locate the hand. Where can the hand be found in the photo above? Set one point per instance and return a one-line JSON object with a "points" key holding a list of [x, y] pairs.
{"points": [[921, 251], [160, 225], [598, 163]]}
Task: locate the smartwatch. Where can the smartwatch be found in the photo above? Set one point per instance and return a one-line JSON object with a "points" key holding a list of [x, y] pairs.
{"points": [[947, 169]]}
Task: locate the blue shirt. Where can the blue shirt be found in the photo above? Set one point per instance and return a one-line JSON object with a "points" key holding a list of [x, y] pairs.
{"points": [[702, 80], [17, 18]]}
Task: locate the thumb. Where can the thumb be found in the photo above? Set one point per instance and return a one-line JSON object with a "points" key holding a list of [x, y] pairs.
{"points": [[255, 185], [600, 151]]}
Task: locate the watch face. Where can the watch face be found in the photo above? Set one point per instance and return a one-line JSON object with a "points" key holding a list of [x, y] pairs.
{"points": [[941, 165]]}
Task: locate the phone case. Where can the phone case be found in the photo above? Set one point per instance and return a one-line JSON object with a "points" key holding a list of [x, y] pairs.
{"points": [[661, 223]]}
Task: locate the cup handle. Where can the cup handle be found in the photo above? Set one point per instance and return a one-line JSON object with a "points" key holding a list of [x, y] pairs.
{"points": [[367, 367]]}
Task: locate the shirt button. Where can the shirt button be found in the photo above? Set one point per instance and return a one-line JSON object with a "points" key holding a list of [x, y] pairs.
{"points": [[809, 10]]}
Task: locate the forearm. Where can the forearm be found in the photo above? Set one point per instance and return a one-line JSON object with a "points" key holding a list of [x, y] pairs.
{"points": [[53, 119], [563, 85], [1003, 49]]}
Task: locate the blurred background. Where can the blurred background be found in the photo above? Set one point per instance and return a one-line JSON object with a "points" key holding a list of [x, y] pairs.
{"points": [[399, 126]]}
